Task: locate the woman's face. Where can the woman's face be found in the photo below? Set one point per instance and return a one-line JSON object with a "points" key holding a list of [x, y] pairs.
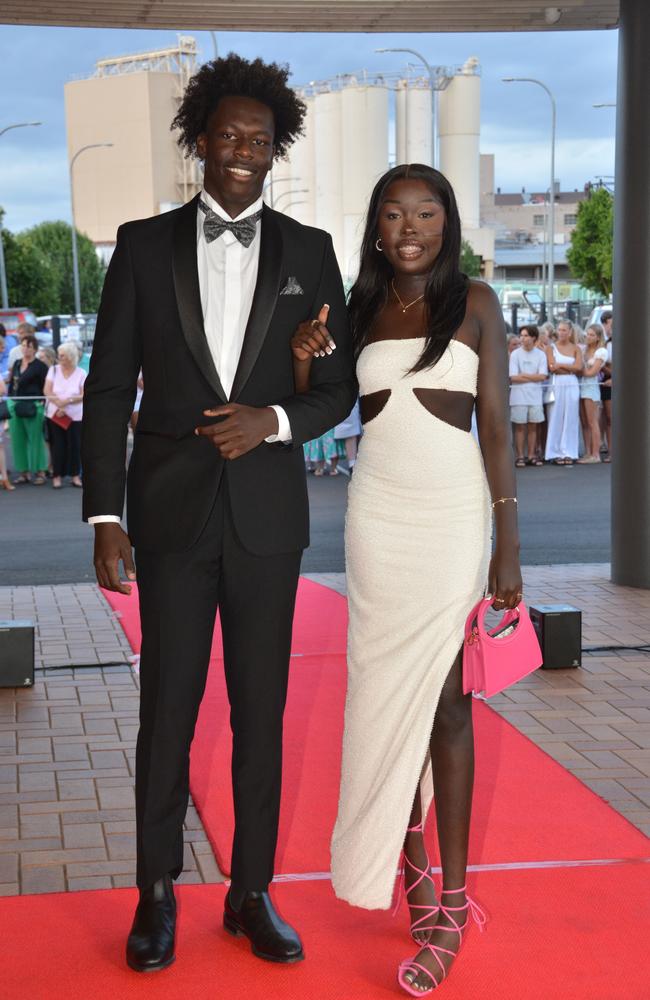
{"points": [[592, 337], [28, 351], [411, 226], [563, 333], [64, 359]]}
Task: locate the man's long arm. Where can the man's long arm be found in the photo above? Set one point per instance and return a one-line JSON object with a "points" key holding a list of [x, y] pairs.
{"points": [[110, 388]]}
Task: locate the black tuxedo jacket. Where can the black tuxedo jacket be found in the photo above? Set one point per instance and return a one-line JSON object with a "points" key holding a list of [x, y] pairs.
{"points": [[150, 317]]}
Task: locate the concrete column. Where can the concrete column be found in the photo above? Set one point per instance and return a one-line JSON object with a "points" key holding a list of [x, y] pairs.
{"points": [[631, 335]]}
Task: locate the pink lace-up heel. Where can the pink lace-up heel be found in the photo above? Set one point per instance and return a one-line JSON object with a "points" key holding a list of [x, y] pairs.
{"points": [[411, 965], [425, 923]]}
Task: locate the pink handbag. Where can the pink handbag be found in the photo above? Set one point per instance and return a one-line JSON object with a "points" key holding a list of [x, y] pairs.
{"points": [[495, 659]]}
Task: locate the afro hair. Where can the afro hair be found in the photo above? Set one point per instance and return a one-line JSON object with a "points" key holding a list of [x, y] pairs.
{"points": [[233, 76]]}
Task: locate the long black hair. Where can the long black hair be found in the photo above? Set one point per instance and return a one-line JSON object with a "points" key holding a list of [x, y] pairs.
{"points": [[445, 296]]}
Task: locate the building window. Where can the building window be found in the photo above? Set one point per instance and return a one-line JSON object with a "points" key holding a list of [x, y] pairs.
{"points": [[538, 220], [570, 220]]}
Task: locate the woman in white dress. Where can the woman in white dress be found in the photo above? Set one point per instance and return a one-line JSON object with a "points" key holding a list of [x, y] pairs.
{"points": [[430, 344], [564, 365], [595, 356]]}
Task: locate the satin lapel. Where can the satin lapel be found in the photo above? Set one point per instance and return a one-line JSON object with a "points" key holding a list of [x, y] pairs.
{"points": [[264, 299], [188, 294]]}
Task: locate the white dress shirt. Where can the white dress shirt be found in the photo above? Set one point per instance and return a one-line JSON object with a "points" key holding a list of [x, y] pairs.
{"points": [[227, 278]]}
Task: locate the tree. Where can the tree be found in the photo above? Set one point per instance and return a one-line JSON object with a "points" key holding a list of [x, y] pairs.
{"points": [[31, 280], [53, 240], [470, 262], [591, 251]]}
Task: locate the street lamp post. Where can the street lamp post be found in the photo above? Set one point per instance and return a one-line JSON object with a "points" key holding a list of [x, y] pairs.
{"points": [[288, 194], [551, 249], [277, 180], [75, 259], [3, 270], [292, 204], [432, 78]]}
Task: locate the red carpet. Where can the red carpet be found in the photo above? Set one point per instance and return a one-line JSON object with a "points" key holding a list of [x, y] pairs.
{"points": [[526, 806], [576, 934]]}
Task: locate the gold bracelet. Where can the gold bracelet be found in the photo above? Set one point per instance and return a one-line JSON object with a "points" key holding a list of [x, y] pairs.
{"points": [[503, 500]]}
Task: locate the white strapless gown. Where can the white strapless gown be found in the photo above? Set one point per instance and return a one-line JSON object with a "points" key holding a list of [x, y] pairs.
{"points": [[418, 542]]}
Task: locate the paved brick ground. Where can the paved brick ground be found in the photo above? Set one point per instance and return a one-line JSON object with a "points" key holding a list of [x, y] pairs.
{"points": [[66, 785], [75, 625], [67, 744]]}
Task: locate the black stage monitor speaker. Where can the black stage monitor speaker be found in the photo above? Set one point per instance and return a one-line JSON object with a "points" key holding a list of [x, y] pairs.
{"points": [[559, 632], [16, 654]]}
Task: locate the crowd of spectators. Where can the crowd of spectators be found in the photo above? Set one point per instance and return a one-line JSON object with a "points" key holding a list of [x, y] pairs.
{"points": [[560, 404], [560, 393], [42, 410]]}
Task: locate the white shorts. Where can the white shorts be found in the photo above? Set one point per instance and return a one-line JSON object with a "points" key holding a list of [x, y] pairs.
{"points": [[523, 414]]}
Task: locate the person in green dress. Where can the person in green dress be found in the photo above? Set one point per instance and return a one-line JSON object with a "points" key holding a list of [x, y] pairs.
{"points": [[27, 378]]}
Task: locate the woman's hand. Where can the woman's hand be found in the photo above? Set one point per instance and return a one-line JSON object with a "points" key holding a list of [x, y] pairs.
{"points": [[504, 579], [312, 339]]}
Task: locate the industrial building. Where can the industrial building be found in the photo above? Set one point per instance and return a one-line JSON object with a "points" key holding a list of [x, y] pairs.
{"points": [[129, 101], [331, 171], [357, 126]]}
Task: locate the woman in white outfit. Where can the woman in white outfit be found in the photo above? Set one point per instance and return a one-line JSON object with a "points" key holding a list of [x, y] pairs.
{"points": [[564, 364], [595, 356], [430, 344]]}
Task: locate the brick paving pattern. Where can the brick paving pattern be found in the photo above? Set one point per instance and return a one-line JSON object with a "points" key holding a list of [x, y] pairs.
{"points": [[74, 624], [67, 744], [66, 785]]}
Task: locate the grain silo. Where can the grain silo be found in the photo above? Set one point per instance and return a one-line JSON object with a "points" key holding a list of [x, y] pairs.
{"points": [[413, 121], [364, 119], [459, 127], [292, 183], [303, 172], [329, 166]]}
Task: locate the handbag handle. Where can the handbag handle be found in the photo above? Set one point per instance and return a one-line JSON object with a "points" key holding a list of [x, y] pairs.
{"points": [[515, 614]]}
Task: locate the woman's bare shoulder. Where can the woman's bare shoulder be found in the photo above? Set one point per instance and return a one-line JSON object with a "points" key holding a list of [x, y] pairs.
{"points": [[481, 296]]}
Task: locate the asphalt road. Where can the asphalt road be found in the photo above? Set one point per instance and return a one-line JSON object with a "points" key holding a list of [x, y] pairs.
{"points": [[563, 511]]}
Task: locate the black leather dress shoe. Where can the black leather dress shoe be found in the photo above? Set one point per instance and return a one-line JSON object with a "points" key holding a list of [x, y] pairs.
{"points": [[270, 937], [150, 946]]}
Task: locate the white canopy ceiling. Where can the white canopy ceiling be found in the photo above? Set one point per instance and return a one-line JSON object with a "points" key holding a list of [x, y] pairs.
{"points": [[310, 15]]}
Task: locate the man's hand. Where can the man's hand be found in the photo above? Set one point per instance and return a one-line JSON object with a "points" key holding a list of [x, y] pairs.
{"points": [[243, 428], [112, 544]]}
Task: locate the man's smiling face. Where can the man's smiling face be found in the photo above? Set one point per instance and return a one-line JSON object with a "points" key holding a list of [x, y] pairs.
{"points": [[237, 150]]}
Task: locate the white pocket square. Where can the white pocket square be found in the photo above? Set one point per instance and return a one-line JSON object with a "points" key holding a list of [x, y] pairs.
{"points": [[292, 287]]}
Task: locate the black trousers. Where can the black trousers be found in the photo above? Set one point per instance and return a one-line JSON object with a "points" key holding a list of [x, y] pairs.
{"points": [[179, 596], [66, 448]]}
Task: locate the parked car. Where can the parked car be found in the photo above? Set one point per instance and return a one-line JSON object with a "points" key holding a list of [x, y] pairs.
{"points": [[10, 318], [529, 306], [595, 315], [80, 328]]}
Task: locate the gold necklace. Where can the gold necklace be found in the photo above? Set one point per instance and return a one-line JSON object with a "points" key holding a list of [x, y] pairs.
{"points": [[409, 304]]}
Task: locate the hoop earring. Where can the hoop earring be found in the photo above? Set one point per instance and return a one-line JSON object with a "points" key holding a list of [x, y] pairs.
{"points": [[377, 242]]}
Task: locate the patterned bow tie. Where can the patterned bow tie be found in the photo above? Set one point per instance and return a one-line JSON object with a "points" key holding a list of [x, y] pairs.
{"points": [[214, 226]]}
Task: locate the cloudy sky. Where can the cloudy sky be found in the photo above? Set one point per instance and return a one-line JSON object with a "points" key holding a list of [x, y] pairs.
{"points": [[579, 67]]}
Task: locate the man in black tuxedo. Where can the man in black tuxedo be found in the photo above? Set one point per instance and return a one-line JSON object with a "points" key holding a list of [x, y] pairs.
{"points": [[205, 300]]}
